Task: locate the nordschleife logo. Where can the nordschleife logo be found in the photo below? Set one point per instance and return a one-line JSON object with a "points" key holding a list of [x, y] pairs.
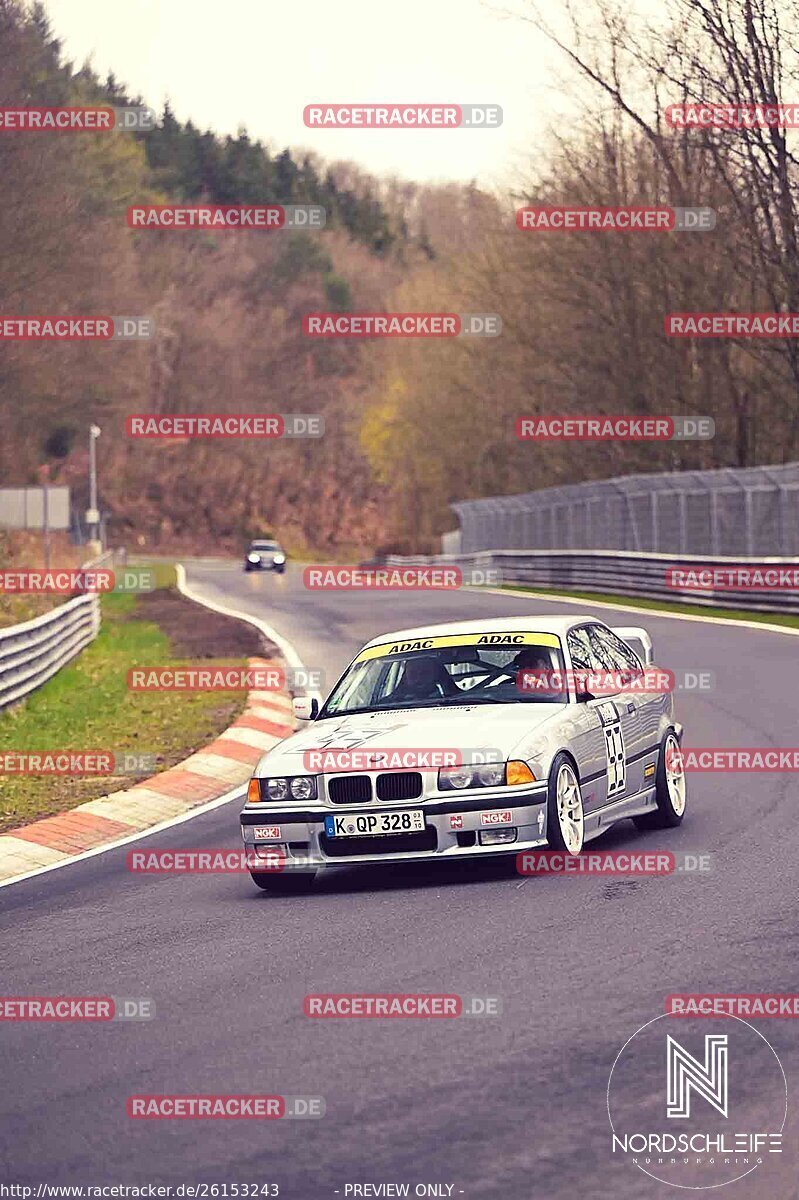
{"points": [[699, 1110]]}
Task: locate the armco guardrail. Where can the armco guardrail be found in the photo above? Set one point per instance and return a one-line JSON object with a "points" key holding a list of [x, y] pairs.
{"points": [[625, 573], [31, 653]]}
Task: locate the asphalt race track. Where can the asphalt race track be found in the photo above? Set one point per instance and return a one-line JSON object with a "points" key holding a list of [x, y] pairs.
{"points": [[509, 1106]]}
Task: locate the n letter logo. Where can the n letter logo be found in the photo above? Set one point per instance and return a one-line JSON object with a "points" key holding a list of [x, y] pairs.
{"points": [[708, 1079]]}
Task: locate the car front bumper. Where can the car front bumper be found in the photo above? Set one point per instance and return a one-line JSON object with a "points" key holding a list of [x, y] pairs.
{"points": [[453, 826]]}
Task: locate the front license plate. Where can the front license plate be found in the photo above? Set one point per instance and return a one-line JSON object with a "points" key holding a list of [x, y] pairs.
{"points": [[374, 824]]}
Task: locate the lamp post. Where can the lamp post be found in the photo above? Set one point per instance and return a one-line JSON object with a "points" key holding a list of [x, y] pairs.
{"points": [[44, 475], [93, 515]]}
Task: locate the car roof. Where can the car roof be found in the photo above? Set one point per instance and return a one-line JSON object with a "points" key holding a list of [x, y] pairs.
{"points": [[528, 624]]}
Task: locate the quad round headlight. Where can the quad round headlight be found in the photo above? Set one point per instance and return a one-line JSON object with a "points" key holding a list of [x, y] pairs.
{"points": [[491, 775], [295, 787], [303, 787], [455, 777], [459, 778]]}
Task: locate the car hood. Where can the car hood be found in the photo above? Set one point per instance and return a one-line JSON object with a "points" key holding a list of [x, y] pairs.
{"points": [[466, 727]]}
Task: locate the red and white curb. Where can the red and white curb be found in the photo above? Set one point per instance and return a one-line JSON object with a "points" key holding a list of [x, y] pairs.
{"points": [[210, 777]]}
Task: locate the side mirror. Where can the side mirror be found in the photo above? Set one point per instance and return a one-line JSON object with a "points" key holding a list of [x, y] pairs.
{"points": [[639, 641], [306, 708]]}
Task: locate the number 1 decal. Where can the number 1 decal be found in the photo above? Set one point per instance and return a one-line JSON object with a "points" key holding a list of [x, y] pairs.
{"points": [[614, 744], [614, 748]]}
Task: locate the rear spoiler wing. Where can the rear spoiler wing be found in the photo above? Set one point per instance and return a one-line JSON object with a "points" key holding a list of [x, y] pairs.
{"points": [[639, 641]]}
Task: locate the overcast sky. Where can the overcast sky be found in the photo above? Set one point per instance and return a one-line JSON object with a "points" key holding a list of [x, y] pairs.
{"points": [[224, 63]]}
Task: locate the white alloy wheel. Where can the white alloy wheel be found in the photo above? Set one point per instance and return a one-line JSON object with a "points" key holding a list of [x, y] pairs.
{"points": [[675, 774], [570, 809]]}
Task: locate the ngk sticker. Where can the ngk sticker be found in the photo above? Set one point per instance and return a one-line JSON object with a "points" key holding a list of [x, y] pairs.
{"points": [[496, 818], [265, 832]]}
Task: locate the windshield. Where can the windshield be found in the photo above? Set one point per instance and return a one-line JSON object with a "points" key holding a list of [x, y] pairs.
{"points": [[463, 671], [264, 546]]}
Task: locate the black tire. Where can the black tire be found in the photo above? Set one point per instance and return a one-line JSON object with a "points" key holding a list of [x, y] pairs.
{"points": [[293, 883], [561, 763], [667, 813]]}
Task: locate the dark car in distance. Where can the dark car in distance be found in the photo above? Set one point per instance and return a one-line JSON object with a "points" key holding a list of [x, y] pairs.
{"points": [[265, 555]]}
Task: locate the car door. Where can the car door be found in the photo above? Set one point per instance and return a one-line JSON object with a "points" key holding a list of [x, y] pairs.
{"points": [[622, 663], [597, 739], [616, 712], [650, 706]]}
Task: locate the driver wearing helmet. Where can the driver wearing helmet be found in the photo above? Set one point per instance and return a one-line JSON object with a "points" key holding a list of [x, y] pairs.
{"points": [[423, 678], [533, 668]]}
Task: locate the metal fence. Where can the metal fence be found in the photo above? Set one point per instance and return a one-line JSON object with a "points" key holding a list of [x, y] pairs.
{"points": [[31, 653], [747, 512]]}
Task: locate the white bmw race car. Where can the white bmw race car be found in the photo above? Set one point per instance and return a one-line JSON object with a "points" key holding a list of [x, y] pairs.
{"points": [[470, 739]]}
